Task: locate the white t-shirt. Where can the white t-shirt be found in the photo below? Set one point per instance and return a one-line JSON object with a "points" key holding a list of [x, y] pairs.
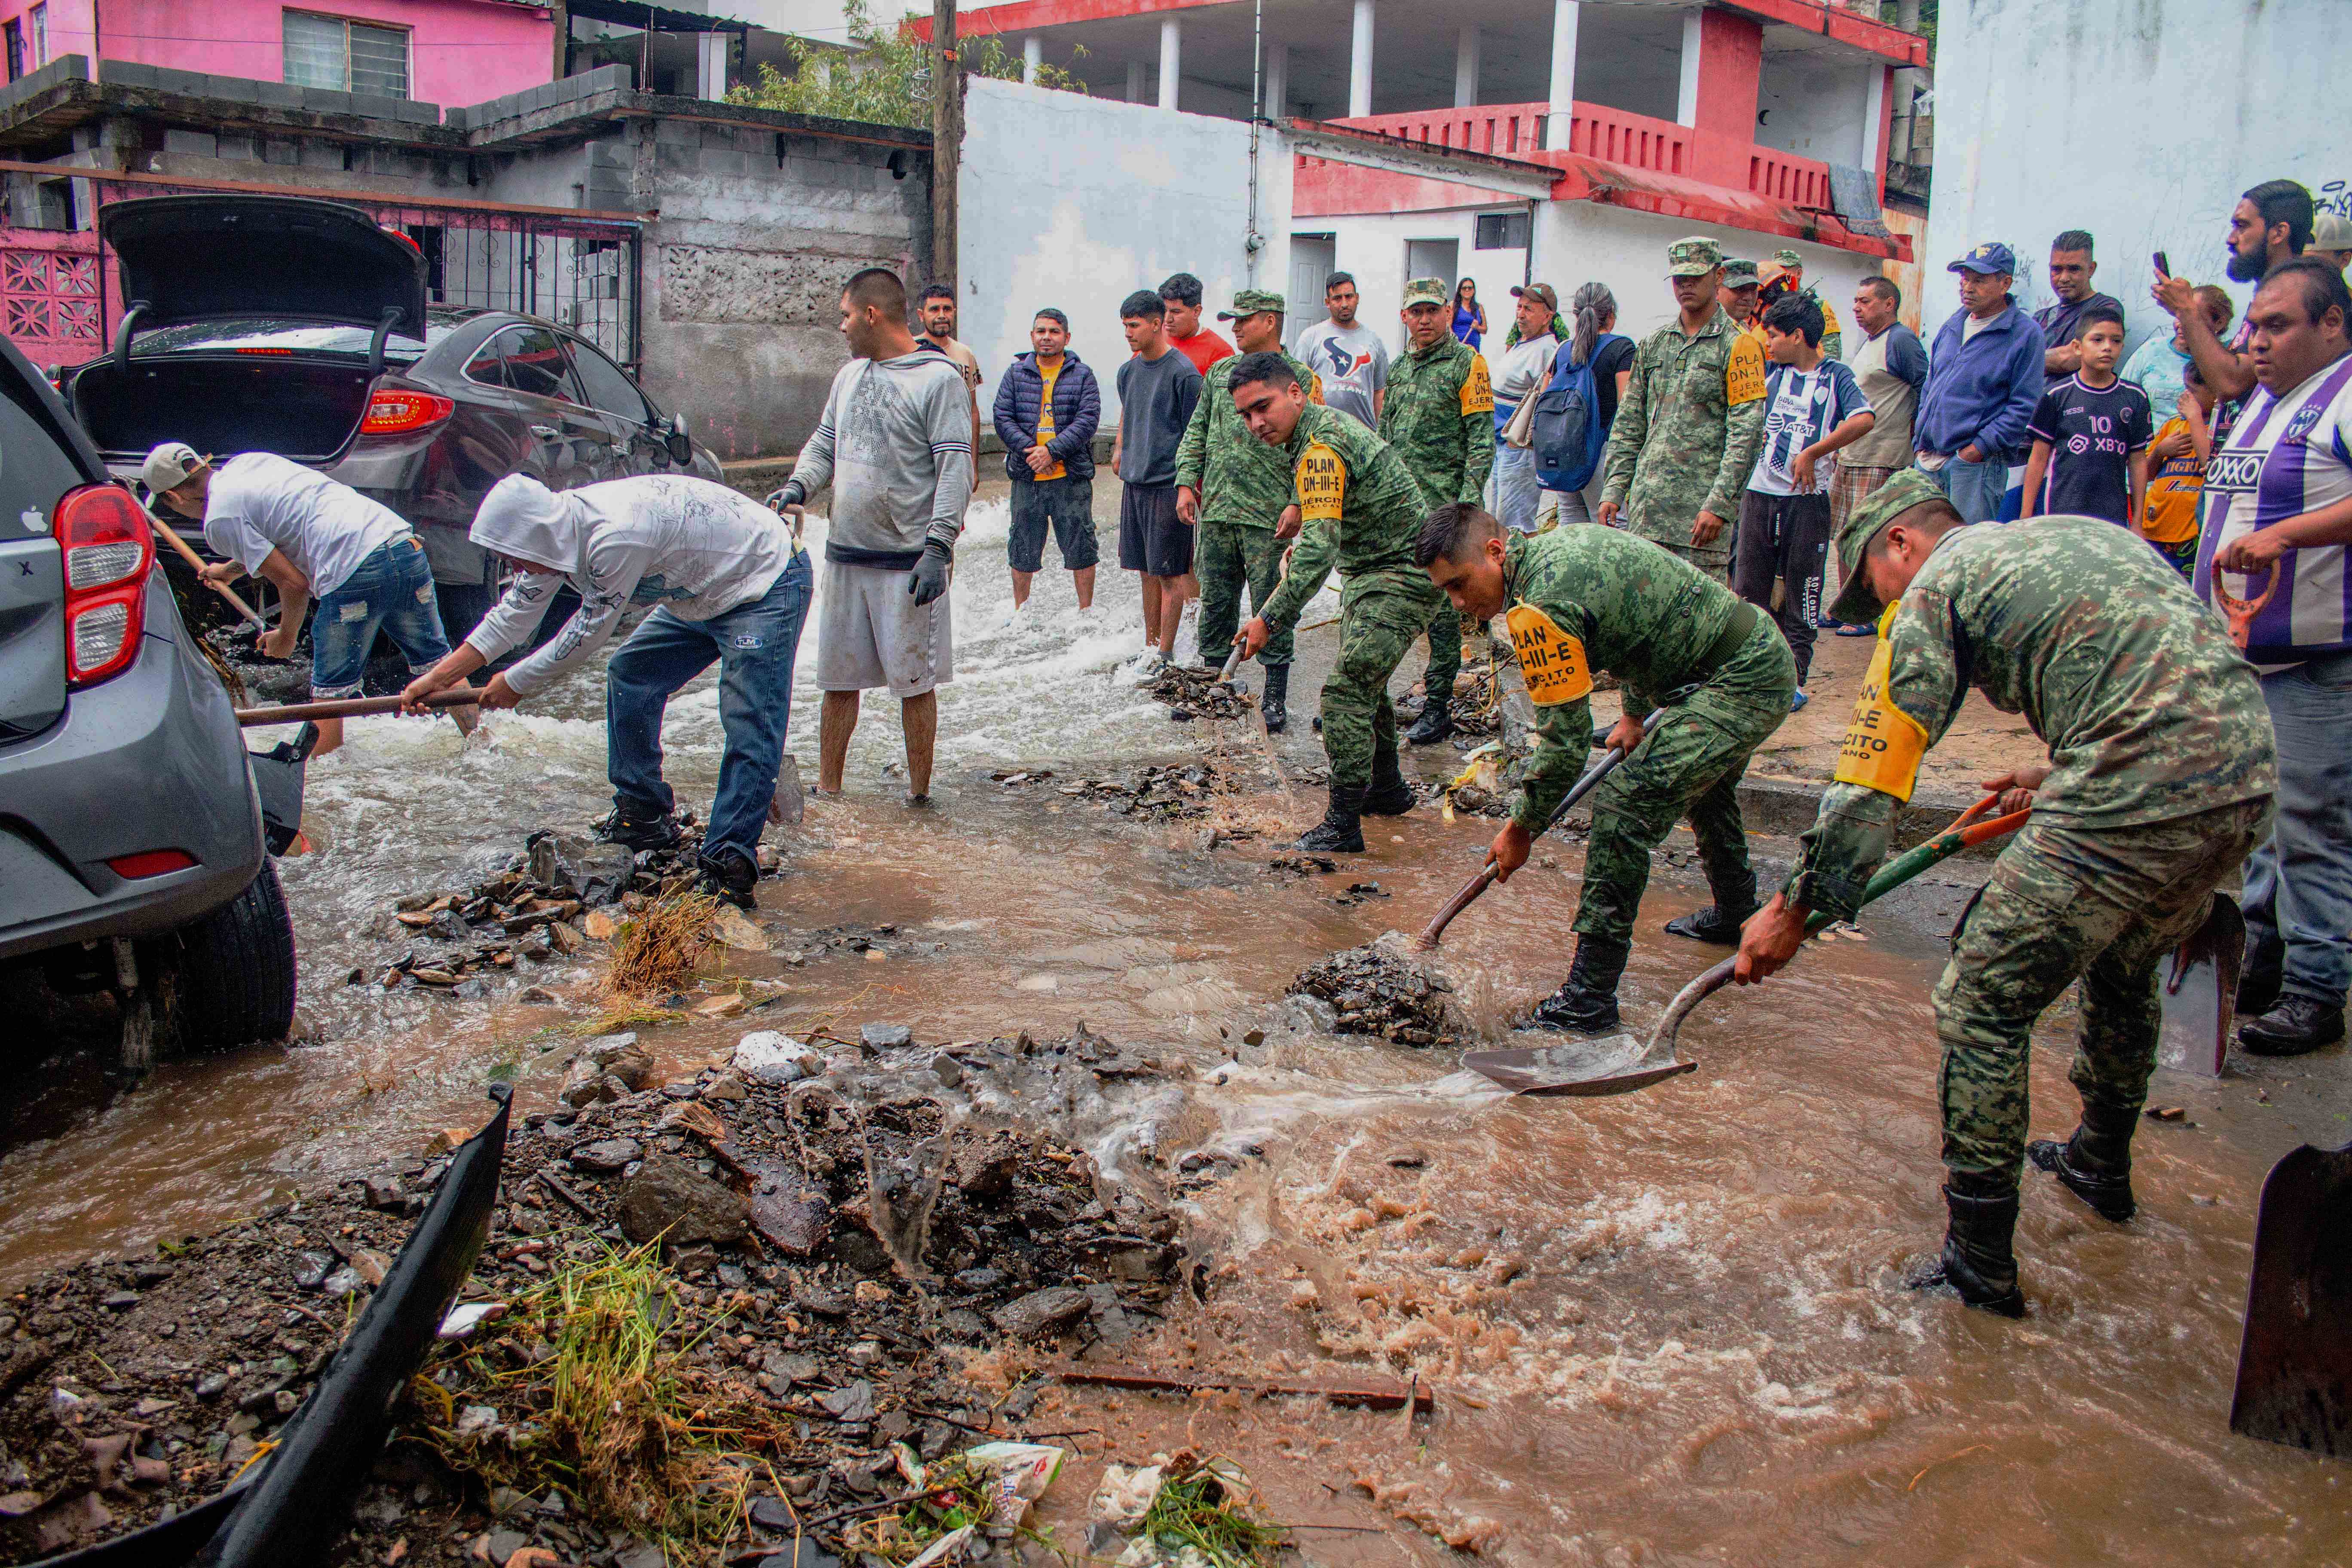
{"points": [[1527, 365], [259, 501]]}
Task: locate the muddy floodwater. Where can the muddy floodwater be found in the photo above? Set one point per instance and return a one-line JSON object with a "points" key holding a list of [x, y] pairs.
{"points": [[1660, 1328]]}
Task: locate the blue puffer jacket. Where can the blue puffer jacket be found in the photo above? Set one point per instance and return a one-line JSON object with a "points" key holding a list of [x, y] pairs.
{"points": [[1077, 412]]}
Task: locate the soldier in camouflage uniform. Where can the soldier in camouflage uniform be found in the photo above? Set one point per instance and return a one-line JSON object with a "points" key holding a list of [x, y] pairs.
{"points": [[2159, 785], [1440, 417], [1688, 426], [1738, 295], [1583, 599], [1791, 279], [1236, 491], [1362, 510]]}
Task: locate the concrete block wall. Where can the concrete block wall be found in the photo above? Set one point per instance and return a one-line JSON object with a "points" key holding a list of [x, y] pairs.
{"points": [[64, 68], [547, 95]]}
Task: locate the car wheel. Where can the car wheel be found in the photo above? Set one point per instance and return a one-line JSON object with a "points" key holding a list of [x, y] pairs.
{"points": [[232, 980]]}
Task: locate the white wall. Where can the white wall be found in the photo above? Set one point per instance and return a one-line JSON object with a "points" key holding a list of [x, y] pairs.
{"points": [[1373, 249], [1814, 108], [1077, 202], [2054, 115]]}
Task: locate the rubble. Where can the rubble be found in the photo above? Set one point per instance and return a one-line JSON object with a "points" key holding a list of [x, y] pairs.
{"points": [[1191, 692], [1371, 991]]}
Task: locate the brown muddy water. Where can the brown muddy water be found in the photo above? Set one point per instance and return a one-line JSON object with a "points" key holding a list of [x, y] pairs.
{"points": [[1661, 1329]]}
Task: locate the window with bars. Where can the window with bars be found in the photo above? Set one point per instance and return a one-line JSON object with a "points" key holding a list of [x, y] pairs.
{"points": [[1501, 231], [346, 56]]}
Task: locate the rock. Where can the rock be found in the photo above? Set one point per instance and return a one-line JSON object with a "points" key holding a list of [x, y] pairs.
{"points": [[949, 1070], [563, 938], [726, 1088], [788, 1211], [974, 1280], [385, 1193], [985, 1170], [212, 1387], [736, 930], [595, 925], [789, 1367], [606, 1155], [962, 1326], [504, 1544], [854, 1403], [470, 990], [119, 1301], [885, 1036], [446, 1141], [342, 1282], [730, 1005], [598, 1089], [536, 995], [669, 1199], [767, 1057], [621, 1056], [1040, 1312], [1407, 1158]]}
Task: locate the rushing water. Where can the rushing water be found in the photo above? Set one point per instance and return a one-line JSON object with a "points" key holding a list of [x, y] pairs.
{"points": [[1661, 1329]]}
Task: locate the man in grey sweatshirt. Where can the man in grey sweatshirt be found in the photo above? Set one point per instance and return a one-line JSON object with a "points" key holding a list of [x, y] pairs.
{"points": [[896, 445]]}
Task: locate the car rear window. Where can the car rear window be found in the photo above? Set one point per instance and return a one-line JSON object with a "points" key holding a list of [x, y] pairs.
{"points": [[265, 336]]}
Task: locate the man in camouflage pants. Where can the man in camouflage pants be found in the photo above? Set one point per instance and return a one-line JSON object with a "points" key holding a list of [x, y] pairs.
{"points": [[1688, 426], [1236, 491], [1581, 599], [2163, 766], [1440, 418], [1360, 508]]}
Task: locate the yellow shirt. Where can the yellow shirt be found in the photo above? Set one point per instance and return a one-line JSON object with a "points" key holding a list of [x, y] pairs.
{"points": [[2174, 491], [1046, 417]]}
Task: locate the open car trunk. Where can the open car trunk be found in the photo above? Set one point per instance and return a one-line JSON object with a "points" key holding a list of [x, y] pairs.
{"points": [[306, 409]]}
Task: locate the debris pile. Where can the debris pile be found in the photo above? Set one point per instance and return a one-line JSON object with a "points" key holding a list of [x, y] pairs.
{"points": [[1375, 992], [1191, 692], [1166, 792]]}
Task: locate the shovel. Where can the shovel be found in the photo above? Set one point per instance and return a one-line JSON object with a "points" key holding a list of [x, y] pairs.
{"points": [[2295, 1363], [2201, 990], [352, 708], [1618, 1063]]}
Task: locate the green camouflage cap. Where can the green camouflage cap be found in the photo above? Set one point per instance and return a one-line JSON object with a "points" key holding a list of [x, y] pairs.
{"points": [[1739, 273], [1856, 604], [1692, 257], [1788, 259], [1427, 291], [1250, 301]]}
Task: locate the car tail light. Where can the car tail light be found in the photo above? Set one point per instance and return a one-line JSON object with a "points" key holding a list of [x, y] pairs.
{"points": [[282, 354], [108, 549], [150, 863], [400, 413]]}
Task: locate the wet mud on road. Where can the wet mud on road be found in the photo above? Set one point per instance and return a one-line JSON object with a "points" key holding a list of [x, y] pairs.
{"points": [[1665, 1328]]}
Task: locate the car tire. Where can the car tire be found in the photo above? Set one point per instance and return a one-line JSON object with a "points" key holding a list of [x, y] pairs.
{"points": [[232, 980]]}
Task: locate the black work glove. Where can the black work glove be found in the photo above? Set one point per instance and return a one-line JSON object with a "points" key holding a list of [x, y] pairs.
{"points": [[929, 580], [790, 495]]}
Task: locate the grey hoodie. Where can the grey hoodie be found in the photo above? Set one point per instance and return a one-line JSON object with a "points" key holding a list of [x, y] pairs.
{"points": [[896, 445], [694, 548]]}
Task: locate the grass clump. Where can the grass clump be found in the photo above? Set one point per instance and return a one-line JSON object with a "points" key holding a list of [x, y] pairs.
{"points": [[589, 1387], [956, 1493], [656, 950], [1205, 1504]]}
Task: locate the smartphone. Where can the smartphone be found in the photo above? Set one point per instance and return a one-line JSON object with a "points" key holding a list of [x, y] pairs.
{"points": [[2163, 268]]}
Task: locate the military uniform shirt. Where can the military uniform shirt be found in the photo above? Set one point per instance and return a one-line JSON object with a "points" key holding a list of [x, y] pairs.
{"points": [[1687, 432], [1241, 480], [1359, 505], [1439, 414], [2149, 712]]}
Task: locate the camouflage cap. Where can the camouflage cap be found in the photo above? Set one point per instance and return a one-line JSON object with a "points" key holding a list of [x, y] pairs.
{"points": [[1739, 272], [1788, 259], [1692, 257], [1426, 291], [1250, 301], [1856, 604]]}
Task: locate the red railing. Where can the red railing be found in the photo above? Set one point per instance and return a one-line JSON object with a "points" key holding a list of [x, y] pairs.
{"points": [[1505, 129]]}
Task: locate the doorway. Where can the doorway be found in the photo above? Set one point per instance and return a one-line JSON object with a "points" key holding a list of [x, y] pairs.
{"points": [[1438, 259], [1313, 258]]}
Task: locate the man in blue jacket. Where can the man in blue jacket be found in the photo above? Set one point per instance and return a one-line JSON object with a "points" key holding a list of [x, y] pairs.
{"points": [[1984, 378], [1047, 408]]}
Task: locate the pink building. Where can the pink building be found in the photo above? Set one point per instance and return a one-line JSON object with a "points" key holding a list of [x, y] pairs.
{"points": [[438, 51]]}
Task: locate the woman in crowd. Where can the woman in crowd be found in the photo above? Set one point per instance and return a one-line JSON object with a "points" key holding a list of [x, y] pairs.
{"points": [[1469, 316]]}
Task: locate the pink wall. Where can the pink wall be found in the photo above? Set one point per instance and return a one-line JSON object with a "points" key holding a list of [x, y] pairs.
{"points": [[460, 51]]}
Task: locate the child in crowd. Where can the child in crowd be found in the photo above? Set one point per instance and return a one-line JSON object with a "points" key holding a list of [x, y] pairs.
{"points": [[2091, 434], [2176, 494]]}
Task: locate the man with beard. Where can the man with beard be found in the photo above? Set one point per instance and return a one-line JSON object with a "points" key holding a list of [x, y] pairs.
{"points": [[2271, 225]]}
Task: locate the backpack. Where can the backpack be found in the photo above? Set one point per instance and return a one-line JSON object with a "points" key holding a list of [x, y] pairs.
{"points": [[1566, 432]]}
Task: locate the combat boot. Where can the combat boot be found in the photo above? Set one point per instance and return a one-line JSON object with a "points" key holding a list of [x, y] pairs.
{"points": [[638, 829], [2095, 1163], [729, 874], [1341, 832], [1586, 1001], [1273, 703], [2297, 1025], [1719, 922], [1976, 1264], [1389, 795], [1437, 722]]}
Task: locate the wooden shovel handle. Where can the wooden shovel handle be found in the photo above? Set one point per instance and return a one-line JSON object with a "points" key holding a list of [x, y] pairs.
{"points": [[196, 561], [353, 707]]}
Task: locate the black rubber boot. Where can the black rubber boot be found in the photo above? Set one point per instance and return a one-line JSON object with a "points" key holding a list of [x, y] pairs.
{"points": [[1437, 722], [1389, 795], [1586, 1002], [2095, 1163], [1719, 922], [1275, 702], [2297, 1025], [1976, 1264], [729, 874], [638, 829], [1339, 832]]}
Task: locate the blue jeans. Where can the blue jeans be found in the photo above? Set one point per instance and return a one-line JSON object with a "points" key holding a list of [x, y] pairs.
{"points": [[390, 591], [2299, 883], [754, 644], [1513, 485], [1975, 488]]}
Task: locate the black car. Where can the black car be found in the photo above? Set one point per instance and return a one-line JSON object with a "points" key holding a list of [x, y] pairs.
{"points": [[296, 326]]}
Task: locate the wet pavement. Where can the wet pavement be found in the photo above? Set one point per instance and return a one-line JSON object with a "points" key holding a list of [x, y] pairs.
{"points": [[1661, 1329]]}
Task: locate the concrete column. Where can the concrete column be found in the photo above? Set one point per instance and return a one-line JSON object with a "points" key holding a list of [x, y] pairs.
{"points": [[711, 65], [1465, 66], [1135, 81], [1686, 100], [1276, 94], [1565, 14], [1171, 59], [1360, 62], [1873, 116], [1033, 52]]}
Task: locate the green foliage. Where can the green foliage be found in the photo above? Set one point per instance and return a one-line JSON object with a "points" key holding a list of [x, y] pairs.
{"points": [[885, 79]]}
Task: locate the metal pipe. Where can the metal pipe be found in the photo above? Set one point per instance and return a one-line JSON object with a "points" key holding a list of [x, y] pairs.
{"points": [[1253, 242]]}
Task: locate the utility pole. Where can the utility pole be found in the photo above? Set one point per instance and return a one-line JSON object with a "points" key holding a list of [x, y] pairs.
{"points": [[947, 139]]}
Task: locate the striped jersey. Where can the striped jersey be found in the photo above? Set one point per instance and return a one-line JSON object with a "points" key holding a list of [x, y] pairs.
{"points": [[1802, 406], [2287, 456]]}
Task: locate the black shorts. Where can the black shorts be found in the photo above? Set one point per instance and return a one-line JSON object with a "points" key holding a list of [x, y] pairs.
{"points": [[1067, 507], [1152, 539]]}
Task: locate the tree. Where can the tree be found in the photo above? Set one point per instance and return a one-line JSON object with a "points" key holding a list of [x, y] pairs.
{"points": [[885, 77]]}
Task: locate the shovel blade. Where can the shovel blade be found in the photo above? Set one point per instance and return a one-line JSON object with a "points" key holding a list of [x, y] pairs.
{"points": [[2295, 1363], [2197, 984], [1565, 1065]]}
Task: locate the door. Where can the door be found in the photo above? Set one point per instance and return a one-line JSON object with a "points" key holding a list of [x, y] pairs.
{"points": [[1313, 258], [636, 448], [568, 442], [1435, 259]]}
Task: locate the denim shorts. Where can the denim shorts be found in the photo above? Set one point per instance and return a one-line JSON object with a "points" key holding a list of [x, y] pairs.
{"points": [[390, 591]]}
